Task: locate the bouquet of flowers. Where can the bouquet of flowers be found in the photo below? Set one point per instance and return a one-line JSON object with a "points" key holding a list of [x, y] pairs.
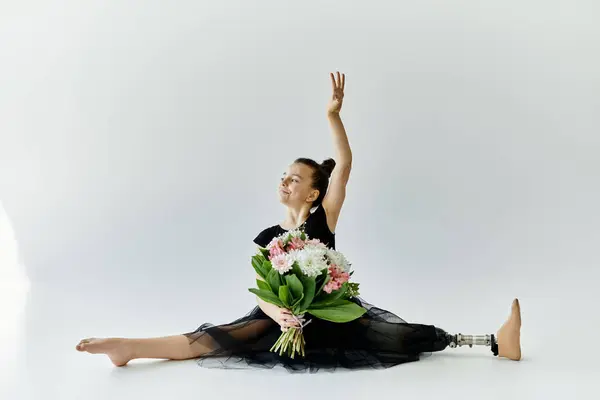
{"points": [[304, 276]]}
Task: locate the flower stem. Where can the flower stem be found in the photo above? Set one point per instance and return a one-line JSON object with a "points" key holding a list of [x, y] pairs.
{"points": [[290, 342]]}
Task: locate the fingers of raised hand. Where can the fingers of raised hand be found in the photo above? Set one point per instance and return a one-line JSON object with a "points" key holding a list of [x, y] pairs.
{"points": [[338, 81]]}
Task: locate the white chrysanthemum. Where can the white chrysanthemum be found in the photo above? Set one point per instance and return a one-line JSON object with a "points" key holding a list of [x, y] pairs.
{"points": [[281, 263], [311, 260], [292, 256], [338, 259], [316, 250]]}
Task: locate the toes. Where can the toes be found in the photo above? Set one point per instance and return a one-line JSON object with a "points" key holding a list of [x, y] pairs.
{"points": [[81, 346]]}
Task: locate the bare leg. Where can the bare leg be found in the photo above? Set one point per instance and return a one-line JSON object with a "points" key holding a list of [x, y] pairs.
{"points": [[121, 351], [179, 347]]}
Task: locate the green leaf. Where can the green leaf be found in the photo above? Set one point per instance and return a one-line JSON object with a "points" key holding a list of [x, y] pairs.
{"points": [[284, 295], [269, 297], [296, 287], [338, 302], [296, 270], [274, 281], [345, 312], [309, 285], [265, 253], [262, 285], [257, 264], [295, 307], [326, 299], [323, 283], [267, 267], [261, 265], [282, 279]]}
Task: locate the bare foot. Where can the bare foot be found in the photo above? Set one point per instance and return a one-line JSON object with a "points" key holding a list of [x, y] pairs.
{"points": [[509, 334], [118, 350]]}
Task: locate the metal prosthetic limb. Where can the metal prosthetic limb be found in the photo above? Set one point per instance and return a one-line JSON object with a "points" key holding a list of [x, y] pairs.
{"points": [[471, 340]]}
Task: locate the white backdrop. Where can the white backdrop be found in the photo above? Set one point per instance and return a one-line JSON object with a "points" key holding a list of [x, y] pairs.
{"points": [[141, 143]]}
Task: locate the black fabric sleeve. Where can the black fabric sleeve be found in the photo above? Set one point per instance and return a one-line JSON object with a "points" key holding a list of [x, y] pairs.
{"points": [[264, 238]]}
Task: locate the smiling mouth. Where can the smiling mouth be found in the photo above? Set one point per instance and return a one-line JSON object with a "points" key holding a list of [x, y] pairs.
{"points": [[283, 191]]}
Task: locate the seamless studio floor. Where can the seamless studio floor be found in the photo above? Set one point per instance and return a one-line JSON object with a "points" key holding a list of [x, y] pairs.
{"points": [[42, 322]]}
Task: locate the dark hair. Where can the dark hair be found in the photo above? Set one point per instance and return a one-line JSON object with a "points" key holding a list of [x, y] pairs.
{"points": [[320, 177]]}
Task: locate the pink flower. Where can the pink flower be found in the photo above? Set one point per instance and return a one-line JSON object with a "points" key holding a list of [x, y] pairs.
{"points": [[275, 242], [331, 286], [275, 251], [296, 244], [338, 274], [313, 242], [337, 278], [280, 263], [275, 248]]}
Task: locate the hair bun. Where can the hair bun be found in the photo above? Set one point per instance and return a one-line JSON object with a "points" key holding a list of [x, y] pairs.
{"points": [[328, 166]]}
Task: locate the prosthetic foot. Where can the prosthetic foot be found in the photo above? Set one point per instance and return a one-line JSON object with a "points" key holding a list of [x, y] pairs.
{"points": [[507, 342]]}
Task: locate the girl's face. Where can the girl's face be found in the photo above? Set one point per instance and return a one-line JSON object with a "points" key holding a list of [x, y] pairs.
{"points": [[295, 186]]}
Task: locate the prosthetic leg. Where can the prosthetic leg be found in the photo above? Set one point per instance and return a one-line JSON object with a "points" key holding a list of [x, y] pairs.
{"points": [[471, 340], [445, 340], [507, 342]]}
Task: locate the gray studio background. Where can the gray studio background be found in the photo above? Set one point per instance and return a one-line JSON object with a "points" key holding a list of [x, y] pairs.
{"points": [[141, 145]]}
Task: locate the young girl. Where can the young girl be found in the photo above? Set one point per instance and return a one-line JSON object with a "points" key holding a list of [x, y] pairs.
{"points": [[377, 339]]}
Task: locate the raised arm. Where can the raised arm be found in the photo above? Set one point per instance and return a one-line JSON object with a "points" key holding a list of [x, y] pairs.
{"points": [[336, 194]]}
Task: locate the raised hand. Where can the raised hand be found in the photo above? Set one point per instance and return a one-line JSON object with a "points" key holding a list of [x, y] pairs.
{"points": [[338, 82]]}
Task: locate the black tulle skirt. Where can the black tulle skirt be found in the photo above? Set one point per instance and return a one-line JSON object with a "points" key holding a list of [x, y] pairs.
{"points": [[379, 339]]}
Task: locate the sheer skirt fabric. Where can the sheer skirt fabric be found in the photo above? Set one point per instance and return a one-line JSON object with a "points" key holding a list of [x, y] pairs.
{"points": [[379, 339]]}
